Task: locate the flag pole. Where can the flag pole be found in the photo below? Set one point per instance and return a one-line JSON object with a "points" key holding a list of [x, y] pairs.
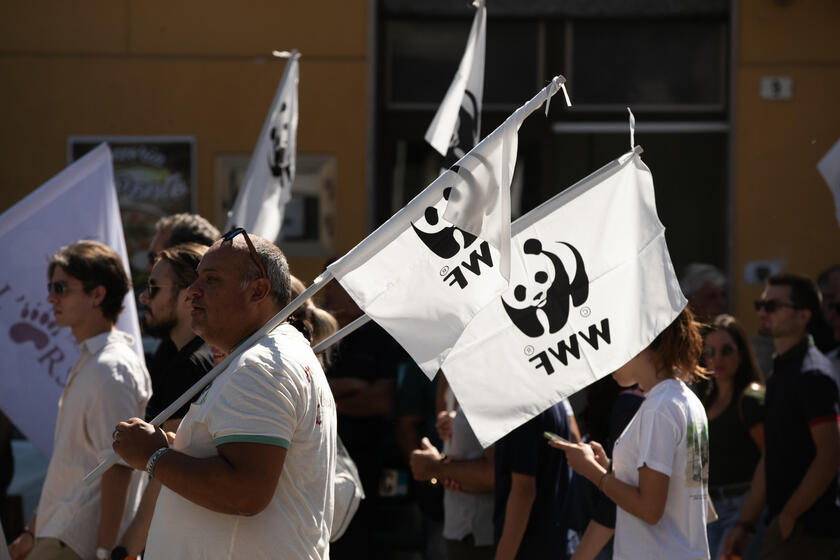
{"points": [[272, 323]]}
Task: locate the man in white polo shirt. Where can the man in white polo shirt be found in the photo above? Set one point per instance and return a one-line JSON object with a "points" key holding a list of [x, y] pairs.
{"points": [[250, 473]]}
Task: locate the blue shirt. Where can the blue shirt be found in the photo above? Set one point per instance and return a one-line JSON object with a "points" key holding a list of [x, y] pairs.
{"points": [[525, 451]]}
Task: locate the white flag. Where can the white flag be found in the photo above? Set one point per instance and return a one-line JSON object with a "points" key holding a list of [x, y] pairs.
{"points": [[36, 355], [457, 123], [428, 270], [267, 185], [591, 286], [829, 168]]}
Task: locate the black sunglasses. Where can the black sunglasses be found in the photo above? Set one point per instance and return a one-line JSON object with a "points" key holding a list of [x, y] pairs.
{"points": [[725, 351], [771, 305], [153, 289], [233, 233], [58, 288]]}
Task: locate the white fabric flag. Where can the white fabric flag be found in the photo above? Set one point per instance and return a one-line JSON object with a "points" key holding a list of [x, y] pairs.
{"points": [[829, 168], [36, 355], [428, 270], [457, 123], [591, 286], [267, 185]]}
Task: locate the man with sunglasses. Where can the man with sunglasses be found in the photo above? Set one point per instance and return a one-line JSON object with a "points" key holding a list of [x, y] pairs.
{"points": [[87, 285], [797, 476], [166, 308], [250, 472]]}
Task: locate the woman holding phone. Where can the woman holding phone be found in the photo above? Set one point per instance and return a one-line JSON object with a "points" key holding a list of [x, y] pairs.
{"points": [[659, 473]]}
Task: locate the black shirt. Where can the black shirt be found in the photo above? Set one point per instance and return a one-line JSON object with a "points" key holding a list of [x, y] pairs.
{"points": [[526, 451], [800, 393], [173, 373]]}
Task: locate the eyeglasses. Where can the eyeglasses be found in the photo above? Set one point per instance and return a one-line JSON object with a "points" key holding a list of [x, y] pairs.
{"points": [[153, 289], [57, 288], [257, 260], [725, 351], [771, 305]]}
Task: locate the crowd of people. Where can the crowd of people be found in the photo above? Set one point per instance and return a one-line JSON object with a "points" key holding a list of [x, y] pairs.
{"points": [[707, 444]]}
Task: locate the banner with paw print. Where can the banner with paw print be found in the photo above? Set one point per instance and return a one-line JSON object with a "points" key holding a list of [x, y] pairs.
{"points": [[35, 354]]}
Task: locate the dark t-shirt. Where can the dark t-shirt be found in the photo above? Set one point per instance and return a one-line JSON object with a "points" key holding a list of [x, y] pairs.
{"points": [[800, 393], [525, 451], [732, 452], [173, 373], [370, 354]]}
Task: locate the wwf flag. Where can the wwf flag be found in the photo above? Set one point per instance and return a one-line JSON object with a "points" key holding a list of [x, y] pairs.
{"points": [[457, 124], [591, 286], [426, 272], [78, 203], [267, 185]]}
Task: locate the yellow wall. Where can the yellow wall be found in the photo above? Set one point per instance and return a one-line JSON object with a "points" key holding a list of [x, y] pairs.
{"points": [[782, 206], [198, 68]]}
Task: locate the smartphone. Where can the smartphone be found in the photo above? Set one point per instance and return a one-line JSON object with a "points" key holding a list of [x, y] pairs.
{"points": [[554, 437]]}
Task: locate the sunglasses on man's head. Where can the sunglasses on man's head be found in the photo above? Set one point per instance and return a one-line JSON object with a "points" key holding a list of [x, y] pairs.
{"points": [[771, 305], [725, 351], [57, 288], [256, 258]]}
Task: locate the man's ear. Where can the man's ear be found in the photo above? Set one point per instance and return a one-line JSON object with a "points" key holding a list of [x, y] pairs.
{"points": [[260, 288], [805, 316], [98, 294]]}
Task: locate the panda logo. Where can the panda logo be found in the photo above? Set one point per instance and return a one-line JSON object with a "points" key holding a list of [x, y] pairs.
{"points": [[465, 133], [442, 241], [279, 156], [550, 293]]}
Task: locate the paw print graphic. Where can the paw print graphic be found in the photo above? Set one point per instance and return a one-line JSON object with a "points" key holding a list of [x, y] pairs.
{"points": [[36, 326]]}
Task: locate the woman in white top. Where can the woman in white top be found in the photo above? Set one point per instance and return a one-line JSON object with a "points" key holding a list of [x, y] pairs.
{"points": [[659, 473]]}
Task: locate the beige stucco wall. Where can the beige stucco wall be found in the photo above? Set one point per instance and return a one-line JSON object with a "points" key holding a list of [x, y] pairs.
{"points": [[782, 206], [198, 68]]}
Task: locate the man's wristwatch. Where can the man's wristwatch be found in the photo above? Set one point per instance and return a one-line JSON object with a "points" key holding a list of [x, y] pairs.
{"points": [[102, 553]]}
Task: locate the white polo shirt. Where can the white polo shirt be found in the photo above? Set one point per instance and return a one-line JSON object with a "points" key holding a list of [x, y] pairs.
{"points": [[108, 384], [276, 394]]}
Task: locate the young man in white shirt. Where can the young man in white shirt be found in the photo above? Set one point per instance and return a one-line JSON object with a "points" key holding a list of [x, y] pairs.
{"points": [[251, 470], [87, 285]]}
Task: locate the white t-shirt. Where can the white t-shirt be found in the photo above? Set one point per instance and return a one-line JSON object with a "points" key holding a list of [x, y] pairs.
{"points": [[669, 434], [107, 385], [275, 393]]}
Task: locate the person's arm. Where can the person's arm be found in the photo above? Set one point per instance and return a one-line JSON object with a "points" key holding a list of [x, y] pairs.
{"points": [[23, 544], [114, 487], [647, 501], [594, 539], [470, 475], [375, 398], [240, 480], [523, 491], [134, 539], [738, 537], [820, 473]]}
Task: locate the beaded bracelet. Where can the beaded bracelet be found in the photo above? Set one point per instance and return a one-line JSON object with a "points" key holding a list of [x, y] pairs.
{"points": [[150, 464]]}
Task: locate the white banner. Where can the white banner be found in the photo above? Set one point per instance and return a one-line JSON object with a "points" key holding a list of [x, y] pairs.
{"points": [[428, 270], [829, 168], [36, 355], [267, 185], [456, 127], [591, 286]]}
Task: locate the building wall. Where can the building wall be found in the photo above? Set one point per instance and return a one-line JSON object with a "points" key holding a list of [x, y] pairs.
{"points": [[783, 208], [198, 68]]}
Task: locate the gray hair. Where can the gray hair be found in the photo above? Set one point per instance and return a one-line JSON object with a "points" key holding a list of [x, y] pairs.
{"points": [[276, 268], [697, 274]]}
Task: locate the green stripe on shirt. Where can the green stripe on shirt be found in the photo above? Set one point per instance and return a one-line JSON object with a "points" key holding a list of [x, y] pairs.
{"points": [[243, 438]]}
